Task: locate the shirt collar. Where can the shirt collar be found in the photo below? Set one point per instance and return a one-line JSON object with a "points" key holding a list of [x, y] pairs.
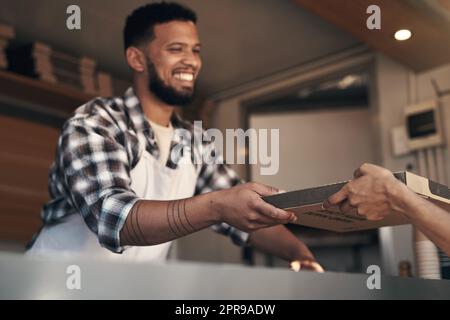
{"points": [[142, 125], [139, 119]]}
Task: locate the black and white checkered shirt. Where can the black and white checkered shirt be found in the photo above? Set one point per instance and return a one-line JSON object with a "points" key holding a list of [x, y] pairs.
{"points": [[97, 149]]}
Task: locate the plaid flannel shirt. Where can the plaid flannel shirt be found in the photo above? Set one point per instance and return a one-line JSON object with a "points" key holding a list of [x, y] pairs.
{"points": [[98, 148]]}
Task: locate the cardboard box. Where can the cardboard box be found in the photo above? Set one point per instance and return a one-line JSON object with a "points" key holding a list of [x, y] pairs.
{"points": [[307, 205]]}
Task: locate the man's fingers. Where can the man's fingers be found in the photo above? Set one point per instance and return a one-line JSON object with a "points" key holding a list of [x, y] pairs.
{"points": [[294, 217], [263, 190], [270, 211], [306, 265], [374, 217], [336, 198], [316, 267], [264, 221]]}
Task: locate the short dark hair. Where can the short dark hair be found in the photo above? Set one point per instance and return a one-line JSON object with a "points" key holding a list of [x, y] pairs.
{"points": [[139, 25]]}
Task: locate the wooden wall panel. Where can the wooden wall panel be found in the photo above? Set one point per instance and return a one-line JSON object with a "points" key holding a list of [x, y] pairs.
{"points": [[26, 152]]}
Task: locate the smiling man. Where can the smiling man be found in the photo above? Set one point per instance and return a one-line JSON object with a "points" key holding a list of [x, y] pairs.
{"points": [[119, 191]]}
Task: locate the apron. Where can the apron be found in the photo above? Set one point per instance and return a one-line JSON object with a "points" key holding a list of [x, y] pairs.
{"points": [[149, 180]]}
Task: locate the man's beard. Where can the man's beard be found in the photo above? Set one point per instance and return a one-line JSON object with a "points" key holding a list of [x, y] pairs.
{"points": [[165, 93]]}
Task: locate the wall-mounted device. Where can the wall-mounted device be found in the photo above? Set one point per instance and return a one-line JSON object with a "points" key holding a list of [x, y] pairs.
{"points": [[423, 125]]}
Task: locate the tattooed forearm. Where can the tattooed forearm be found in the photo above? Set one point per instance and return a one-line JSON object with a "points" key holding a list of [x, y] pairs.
{"points": [[176, 210], [153, 222], [170, 217], [136, 225], [185, 215], [132, 231], [181, 213]]}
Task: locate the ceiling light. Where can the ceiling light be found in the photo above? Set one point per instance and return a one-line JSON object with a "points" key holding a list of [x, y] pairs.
{"points": [[402, 35], [347, 81]]}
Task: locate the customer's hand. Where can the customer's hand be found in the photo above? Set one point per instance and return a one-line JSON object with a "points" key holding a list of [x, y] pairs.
{"points": [[374, 193], [243, 208]]}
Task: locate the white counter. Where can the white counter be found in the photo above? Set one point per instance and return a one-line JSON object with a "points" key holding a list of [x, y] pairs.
{"points": [[24, 278]]}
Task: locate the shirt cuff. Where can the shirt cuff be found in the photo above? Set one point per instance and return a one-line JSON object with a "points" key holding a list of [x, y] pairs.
{"points": [[114, 214]]}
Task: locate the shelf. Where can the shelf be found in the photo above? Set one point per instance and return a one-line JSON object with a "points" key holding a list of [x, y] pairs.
{"points": [[59, 98]]}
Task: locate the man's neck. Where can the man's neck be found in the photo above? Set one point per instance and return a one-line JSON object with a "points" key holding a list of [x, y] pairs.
{"points": [[154, 109]]}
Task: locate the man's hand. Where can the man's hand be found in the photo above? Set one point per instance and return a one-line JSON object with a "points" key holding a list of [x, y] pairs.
{"points": [[243, 208], [304, 260], [279, 241], [298, 265], [374, 193]]}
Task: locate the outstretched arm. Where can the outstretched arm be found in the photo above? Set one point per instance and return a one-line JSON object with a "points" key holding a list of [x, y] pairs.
{"points": [[375, 192], [433, 221], [152, 222]]}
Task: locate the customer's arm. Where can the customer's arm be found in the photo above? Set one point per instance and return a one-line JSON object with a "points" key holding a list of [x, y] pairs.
{"points": [[433, 221], [375, 192]]}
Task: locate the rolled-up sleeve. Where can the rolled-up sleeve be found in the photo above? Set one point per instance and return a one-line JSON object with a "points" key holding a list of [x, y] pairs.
{"points": [[96, 169]]}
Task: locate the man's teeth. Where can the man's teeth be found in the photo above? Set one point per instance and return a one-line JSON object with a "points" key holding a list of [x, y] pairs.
{"points": [[184, 76]]}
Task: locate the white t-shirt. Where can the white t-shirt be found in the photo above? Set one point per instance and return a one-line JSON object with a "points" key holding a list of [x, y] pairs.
{"points": [[163, 139]]}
